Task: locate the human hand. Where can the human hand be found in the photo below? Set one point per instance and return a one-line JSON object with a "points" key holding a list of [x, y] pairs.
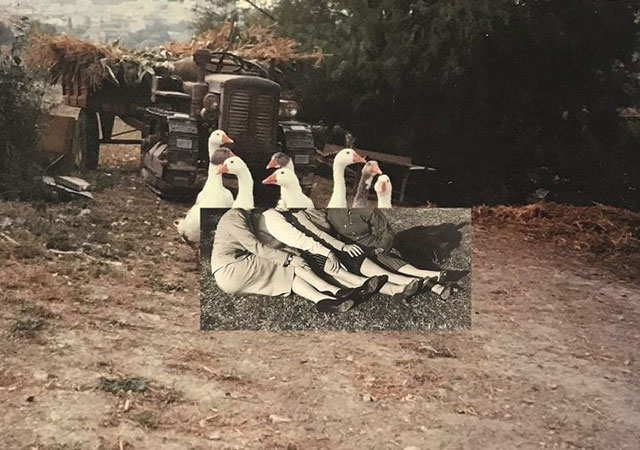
{"points": [[298, 261], [333, 263], [352, 250]]}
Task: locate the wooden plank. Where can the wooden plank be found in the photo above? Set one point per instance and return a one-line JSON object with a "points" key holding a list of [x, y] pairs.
{"points": [[399, 168], [57, 135], [75, 183], [396, 160]]}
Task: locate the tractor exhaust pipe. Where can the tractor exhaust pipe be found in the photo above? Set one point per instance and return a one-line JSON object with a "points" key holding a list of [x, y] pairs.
{"points": [[201, 57]]}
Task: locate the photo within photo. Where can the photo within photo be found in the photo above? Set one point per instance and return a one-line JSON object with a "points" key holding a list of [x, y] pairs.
{"points": [[336, 269]]}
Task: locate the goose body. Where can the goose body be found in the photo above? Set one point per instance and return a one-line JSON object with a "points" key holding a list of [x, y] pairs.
{"points": [[383, 190], [239, 168], [213, 193], [291, 195], [216, 188], [344, 158], [370, 169], [210, 197]]}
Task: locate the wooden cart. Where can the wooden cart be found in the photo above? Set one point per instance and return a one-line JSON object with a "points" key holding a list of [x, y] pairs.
{"points": [[98, 109]]}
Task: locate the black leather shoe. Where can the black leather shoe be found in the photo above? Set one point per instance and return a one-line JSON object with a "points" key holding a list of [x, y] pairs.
{"points": [[373, 285], [329, 305], [345, 293], [409, 290], [452, 275]]}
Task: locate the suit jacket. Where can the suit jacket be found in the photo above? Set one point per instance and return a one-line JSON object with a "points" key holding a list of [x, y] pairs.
{"points": [[364, 226], [236, 239]]}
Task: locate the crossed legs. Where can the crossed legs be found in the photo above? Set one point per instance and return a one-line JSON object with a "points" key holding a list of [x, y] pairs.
{"points": [[395, 285], [309, 285]]}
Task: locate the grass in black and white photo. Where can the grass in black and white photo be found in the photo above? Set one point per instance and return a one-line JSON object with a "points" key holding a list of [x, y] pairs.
{"points": [[429, 238]]}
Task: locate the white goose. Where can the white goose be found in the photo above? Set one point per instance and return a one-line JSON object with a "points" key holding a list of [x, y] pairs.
{"points": [[370, 169], [213, 195], [238, 167], [216, 140], [281, 160], [344, 158], [383, 189], [291, 195]]}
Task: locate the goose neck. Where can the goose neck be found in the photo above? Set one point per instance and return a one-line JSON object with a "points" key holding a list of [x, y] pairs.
{"points": [[214, 179], [338, 177], [384, 200], [245, 186]]}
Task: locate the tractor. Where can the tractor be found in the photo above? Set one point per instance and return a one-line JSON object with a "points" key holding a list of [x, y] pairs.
{"points": [[179, 110]]}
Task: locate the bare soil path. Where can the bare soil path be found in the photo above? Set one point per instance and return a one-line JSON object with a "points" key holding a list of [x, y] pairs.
{"points": [[552, 360]]}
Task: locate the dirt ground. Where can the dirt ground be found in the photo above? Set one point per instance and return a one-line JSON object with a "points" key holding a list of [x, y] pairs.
{"points": [[552, 360]]}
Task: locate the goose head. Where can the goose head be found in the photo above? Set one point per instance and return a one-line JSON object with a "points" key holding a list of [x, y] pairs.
{"points": [[282, 177], [233, 165], [216, 139], [383, 185], [370, 169], [346, 157], [279, 160], [220, 155]]}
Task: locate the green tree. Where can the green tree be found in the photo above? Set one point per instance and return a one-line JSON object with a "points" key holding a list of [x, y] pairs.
{"points": [[20, 114], [211, 14], [485, 90]]}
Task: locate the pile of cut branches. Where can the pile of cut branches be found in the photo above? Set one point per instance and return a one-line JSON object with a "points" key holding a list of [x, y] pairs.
{"points": [[257, 43], [68, 58], [602, 231]]}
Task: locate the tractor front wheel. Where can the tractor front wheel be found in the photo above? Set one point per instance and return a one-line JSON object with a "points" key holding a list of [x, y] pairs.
{"points": [[86, 142]]}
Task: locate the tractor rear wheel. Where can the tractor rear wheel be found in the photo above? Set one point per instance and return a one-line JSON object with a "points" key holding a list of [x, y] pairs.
{"points": [[86, 142]]}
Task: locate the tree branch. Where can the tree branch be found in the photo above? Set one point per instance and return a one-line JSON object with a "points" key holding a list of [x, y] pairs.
{"points": [[262, 10]]}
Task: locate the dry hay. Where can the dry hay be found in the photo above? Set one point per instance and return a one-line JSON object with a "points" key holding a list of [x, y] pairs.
{"points": [[257, 43], [599, 230], [67, 58]]}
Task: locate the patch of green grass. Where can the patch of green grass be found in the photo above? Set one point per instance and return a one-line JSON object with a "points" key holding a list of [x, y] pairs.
{"points": [[28, 251], [27, 327], [100, 236], [37, 311], [39, 225], [148, 419], [132, 384], [75, 446], [60, 241]]}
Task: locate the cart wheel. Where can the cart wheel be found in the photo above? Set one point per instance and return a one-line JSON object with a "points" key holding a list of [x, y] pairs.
{"points": [[86, 141]]}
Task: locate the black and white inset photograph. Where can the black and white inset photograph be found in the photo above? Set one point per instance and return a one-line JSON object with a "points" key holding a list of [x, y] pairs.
{"points": [[336, 269]]}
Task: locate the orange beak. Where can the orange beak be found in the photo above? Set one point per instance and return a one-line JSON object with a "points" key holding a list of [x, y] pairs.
{"points": [[226, 139], [271, 179], [376, 168], [223, 169], [272, 164], [383, 186], [358, 159]]}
